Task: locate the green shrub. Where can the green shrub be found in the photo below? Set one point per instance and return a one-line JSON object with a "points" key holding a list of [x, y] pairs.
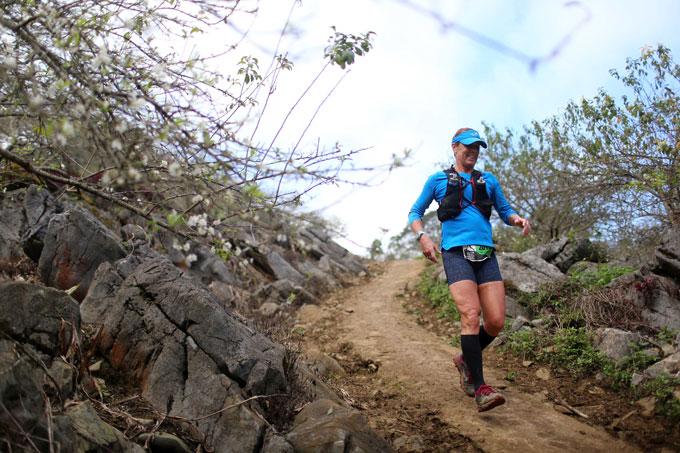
{"points": [[597, 276], [620, 375], [574, 351], [437, 294], [662, 388], [666, 335], [525, 343]]}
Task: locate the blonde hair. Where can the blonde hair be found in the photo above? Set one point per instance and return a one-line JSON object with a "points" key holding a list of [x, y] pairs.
{"points": [[458, 132]]}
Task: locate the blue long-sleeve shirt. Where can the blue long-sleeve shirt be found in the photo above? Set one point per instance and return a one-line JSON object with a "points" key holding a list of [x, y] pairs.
{"points": [[470, 227]]}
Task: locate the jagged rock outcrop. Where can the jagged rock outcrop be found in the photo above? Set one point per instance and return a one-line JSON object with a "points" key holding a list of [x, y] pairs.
{"points": [[190, 356], [74, 245], [564, 252], [38, 324], [42, 317], [24, 215], [161, 328], [667, 256], [526, 272], [324, 426], [615, 343]]}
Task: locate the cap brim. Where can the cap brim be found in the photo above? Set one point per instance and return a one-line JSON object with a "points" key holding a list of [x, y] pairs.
{"points": [[471, 140]]}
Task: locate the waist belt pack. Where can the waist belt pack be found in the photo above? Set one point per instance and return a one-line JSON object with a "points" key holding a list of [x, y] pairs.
{"points": [[476, 253]]}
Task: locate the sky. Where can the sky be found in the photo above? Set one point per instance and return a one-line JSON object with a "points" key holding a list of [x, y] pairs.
{"points": [[421, 82]]}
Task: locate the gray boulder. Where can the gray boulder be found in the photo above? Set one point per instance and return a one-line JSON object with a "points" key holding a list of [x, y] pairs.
{"points": [[75, 244], [564, 252], [190, 356], [513, 309], [669, 366], [43, 317], [320, 244], [527, 271], [615, 343], [326, 427], [24, 215], [284, 291], [79, 429], [667, 256], [282, 269], [661, 302]]}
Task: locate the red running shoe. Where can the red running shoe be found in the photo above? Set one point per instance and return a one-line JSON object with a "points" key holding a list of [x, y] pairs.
{"points": [[487, 398], [465, 376]]}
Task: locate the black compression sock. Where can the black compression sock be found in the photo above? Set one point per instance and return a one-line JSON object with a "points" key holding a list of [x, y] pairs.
{"points": [[472, 354], [484, 338]]}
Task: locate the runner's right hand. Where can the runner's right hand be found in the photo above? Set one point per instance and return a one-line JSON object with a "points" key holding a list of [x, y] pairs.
{"points": [[428, 248]]}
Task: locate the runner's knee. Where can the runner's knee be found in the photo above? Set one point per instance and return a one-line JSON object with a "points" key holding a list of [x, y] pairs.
{"points": [[469, 317], [494, 325]]}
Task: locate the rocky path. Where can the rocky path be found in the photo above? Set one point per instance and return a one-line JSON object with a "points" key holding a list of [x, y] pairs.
{"points": [[376, 323]]}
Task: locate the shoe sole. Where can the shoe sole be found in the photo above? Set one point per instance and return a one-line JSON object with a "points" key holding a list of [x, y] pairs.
{"points": [[495, 402], [461, 370]]}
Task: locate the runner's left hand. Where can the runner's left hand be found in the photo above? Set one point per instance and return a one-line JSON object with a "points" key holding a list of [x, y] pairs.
{"points": [[524, 224]]}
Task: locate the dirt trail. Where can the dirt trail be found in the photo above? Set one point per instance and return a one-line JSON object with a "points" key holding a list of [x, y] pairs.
{"points": [[380, 329]]}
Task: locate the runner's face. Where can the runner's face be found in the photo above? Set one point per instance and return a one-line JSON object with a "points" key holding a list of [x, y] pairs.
{"points": [[467, 155]]}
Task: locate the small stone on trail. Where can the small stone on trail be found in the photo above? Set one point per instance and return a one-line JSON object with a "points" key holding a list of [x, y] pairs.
{"points": [[527, 363], [636, 379], [349, 310], [543, 373], [647, 405]]}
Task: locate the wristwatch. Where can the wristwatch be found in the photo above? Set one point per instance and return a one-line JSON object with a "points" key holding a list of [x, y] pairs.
{"points": [[420, 234]]}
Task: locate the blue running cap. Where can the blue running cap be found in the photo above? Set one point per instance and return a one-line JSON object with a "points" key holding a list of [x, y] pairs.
{"points": [[468, 137]]}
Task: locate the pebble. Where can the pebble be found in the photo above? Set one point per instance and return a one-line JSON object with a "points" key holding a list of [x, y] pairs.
{"points": [[543, 374], [647, 406]]}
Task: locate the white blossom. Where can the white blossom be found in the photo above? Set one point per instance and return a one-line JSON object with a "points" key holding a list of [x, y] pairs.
{"points": [[135, 102], [60, 139], [102, 58], [36, 101], [187, 246], [190, 259], [176, 245], [174, 169], [116, 145], [121, 127], [197, 198], [67, 128], [10, 62], [134, 174]]}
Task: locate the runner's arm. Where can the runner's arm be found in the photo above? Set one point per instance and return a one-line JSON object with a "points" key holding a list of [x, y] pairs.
{"points": [[415, 216], [505, 211]]}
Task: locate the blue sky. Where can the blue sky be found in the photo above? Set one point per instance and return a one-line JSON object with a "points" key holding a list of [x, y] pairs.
{"points": [[420, 83]]}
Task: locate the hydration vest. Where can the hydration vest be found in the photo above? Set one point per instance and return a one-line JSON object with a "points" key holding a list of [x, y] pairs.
{"points": [[453, 202]]}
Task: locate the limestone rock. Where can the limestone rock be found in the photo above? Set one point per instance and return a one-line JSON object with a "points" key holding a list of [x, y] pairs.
{"points": [[325, 365], [615, 343], [43, 317], [526, 271], [164, 443], [268, 309], [513, 309], [564, 252], [191, 356], [667, 256], [324, 426], [668, 366], [647, 406], [282, 269], [74, 245], [80, 429], [662, 303], [285, 291], [24, 215]]}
